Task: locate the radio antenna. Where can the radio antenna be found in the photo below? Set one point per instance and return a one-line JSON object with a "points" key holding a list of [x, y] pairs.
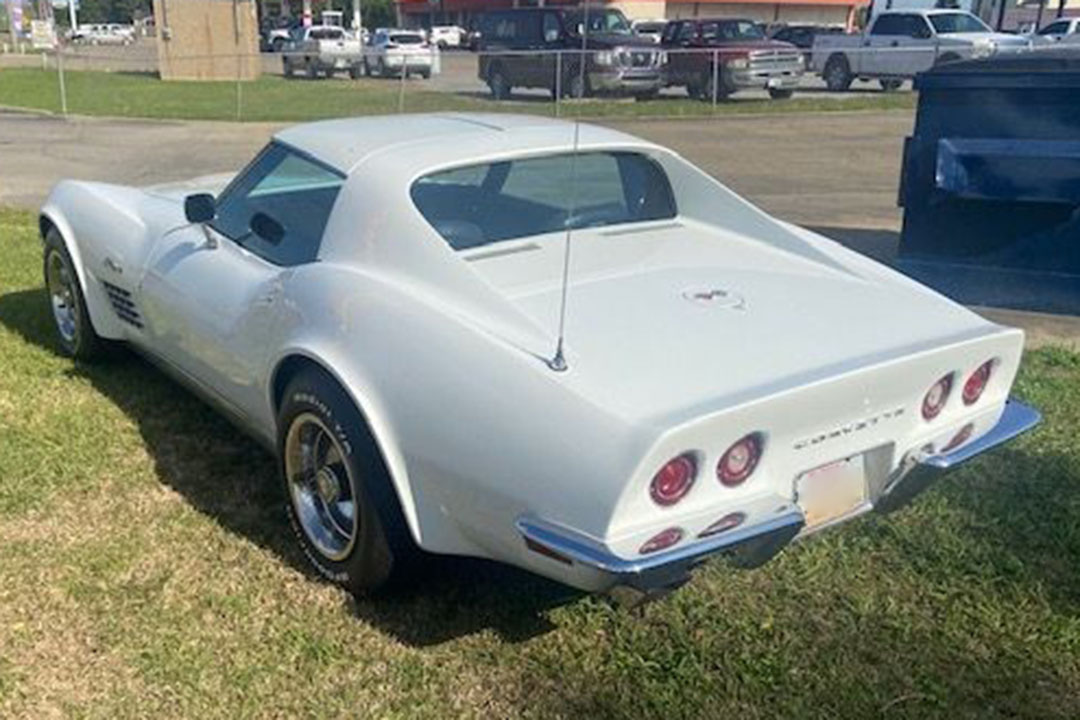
{"points": [[558, 362]]}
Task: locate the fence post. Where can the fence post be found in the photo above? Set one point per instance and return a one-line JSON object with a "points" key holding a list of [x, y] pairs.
{"points": [[63, 83], [404, 75], [715, 76], [239, 88], [558, 82]]}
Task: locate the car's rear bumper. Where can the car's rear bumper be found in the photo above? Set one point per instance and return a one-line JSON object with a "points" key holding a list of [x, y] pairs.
{"points": [[754, 544]]}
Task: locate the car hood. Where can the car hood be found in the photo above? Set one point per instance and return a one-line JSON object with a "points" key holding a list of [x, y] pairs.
{"points": [[683, 314], [212, 184]]}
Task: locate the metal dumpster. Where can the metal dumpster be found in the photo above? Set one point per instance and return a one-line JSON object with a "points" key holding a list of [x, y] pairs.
{"points": [[990, 183]]}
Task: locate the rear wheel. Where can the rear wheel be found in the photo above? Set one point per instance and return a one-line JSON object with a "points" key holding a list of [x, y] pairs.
{"points": [[780, 93], [498, 84], [577, 87], [837, 74], [338, 494], [714, 85], [288, 67], [891, 85], [312, 69], [70, 316]]}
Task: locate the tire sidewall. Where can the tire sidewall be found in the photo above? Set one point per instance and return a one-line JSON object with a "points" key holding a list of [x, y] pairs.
{"points": [[85, 343], [369, 563]]}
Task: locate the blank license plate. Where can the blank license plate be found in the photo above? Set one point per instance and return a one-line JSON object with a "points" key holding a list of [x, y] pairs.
{"points": [[831, 491]]}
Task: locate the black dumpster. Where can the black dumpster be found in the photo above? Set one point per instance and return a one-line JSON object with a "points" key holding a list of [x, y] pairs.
{"points": [[990, 183]]}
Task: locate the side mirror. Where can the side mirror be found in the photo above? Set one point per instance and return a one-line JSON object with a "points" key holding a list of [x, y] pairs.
{"points": [[267, 228], [200, 209]]}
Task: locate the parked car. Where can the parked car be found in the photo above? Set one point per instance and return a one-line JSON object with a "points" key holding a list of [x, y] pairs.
{"points": [[650, 30], [717, 57], [802, 36], [447, 36], [525, 48], [377, 301], [392, 52], [322, 49], [104, 34], [1057, 31], [277, 33], [900, 44]]}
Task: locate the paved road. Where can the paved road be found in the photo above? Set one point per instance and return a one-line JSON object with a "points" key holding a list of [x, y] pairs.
{"points": [[834, 172]]}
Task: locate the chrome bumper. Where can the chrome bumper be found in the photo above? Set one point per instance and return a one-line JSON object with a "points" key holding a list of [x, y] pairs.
{"points": [[640, 578]]}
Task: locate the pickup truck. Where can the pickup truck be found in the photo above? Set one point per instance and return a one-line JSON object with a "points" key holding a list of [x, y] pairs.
{"points": [[322, 49], [899, 44], [730, 54]]}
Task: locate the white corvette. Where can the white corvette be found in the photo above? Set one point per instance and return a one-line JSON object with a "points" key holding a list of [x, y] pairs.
{"points": [[382, 301]]}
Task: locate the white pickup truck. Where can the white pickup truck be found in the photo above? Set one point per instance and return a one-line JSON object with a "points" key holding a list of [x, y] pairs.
{"points": [[898, 44], [322, 49]]}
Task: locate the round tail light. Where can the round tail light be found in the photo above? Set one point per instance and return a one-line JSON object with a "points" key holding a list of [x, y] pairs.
{"points": [[674, 480], [728, 522], [936, 397], [662, 540], [739, 461], [973, 388]]}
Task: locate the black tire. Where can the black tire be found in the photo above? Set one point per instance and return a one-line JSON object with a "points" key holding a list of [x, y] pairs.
{"points": [[311, 68], [288, 67], [77, 337], [277, 45], [646, 96], [426, 74], [890, 84], [354, 72], [781, 93], [837, 74], [577, 87], [706, 82], [382, 549], [694, 90], [497, 83]]}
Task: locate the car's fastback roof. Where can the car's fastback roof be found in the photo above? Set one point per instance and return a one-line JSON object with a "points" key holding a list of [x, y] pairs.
{"points": [[440, 139]]}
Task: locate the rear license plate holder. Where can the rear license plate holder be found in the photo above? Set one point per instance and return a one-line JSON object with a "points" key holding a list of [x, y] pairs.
{"points": [[833, 491]]}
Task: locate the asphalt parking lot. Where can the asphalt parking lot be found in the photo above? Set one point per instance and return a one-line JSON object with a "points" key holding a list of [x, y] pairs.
{"points": [[833, 172]]}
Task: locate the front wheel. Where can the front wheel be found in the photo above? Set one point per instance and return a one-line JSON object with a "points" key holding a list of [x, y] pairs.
{"points": [[338, 494], [68, 303], [500, 88], [780, 93], [890, 85]]}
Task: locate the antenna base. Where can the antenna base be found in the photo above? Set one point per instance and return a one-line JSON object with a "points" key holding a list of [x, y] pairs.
{"points": [[557, 363]]}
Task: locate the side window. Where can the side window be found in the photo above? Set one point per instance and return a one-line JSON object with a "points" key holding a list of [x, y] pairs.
{"points": [[552, 31], [1056, 28], [296, 192], [669, 32], [687, 31], [917, 27], [888, 25]]}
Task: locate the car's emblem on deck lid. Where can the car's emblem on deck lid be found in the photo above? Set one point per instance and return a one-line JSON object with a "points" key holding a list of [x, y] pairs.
{"points": [[715, 297]]}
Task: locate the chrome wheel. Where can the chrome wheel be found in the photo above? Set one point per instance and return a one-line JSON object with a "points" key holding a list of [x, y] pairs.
{"points": [[63, 297], [321, 487]]}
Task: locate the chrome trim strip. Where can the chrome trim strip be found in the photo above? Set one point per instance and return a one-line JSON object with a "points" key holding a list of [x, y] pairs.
{"points": [[1016, 419], [588, 552]]}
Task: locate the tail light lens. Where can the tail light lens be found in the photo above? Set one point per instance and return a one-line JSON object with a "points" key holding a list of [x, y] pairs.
{"points": [[936, 397], [959, 438], [739, 461], [662, 540], [674, 480], [976, 383], [728, 522]]}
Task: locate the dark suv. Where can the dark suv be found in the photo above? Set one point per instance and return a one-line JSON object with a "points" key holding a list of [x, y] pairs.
{"points": [[713, 58], [521, 48]]}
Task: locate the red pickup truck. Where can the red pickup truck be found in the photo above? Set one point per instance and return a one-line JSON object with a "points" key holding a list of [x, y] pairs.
{"points": [[716, 57]]}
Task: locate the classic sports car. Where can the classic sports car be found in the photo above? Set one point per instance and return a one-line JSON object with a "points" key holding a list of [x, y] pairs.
{"points": [[383, 301]]}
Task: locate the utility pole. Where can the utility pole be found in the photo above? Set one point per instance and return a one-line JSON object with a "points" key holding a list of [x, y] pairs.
{"points": [[356, 15], [71, 15]]}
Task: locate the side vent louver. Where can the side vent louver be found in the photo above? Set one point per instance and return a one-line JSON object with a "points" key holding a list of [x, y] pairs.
{"points": [[123, 305]]}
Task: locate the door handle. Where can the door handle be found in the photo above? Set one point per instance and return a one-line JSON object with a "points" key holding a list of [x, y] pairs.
{"points": [[896, 43]]}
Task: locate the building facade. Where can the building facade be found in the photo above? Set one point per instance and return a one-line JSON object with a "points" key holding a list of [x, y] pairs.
{"points": [[843, 13]]}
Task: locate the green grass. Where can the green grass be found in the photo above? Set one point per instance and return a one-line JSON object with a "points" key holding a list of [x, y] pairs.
{"points": [[145, 571], [272, 98]]}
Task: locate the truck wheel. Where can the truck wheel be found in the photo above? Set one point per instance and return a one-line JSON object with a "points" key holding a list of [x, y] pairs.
{"points": [[577, 87], [425, 74], [645, 96], [312, 69], [780, 93], [709, 89], [500, 88], [288, 67], [891, 85], [837, 74], [354, 71], [340, 500]]}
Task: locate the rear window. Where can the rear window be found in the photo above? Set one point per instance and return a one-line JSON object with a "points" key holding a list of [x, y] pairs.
{"points": [[406, 39], [328, 34], [482, 204]]}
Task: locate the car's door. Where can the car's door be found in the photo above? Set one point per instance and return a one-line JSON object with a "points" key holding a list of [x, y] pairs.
{"points": [[1054, 32], [209, 294], [881, 50]]}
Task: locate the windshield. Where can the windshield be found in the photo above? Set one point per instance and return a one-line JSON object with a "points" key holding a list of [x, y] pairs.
{"points": [[482, 204], [946, 23], [600, 21], [732, 30]]}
